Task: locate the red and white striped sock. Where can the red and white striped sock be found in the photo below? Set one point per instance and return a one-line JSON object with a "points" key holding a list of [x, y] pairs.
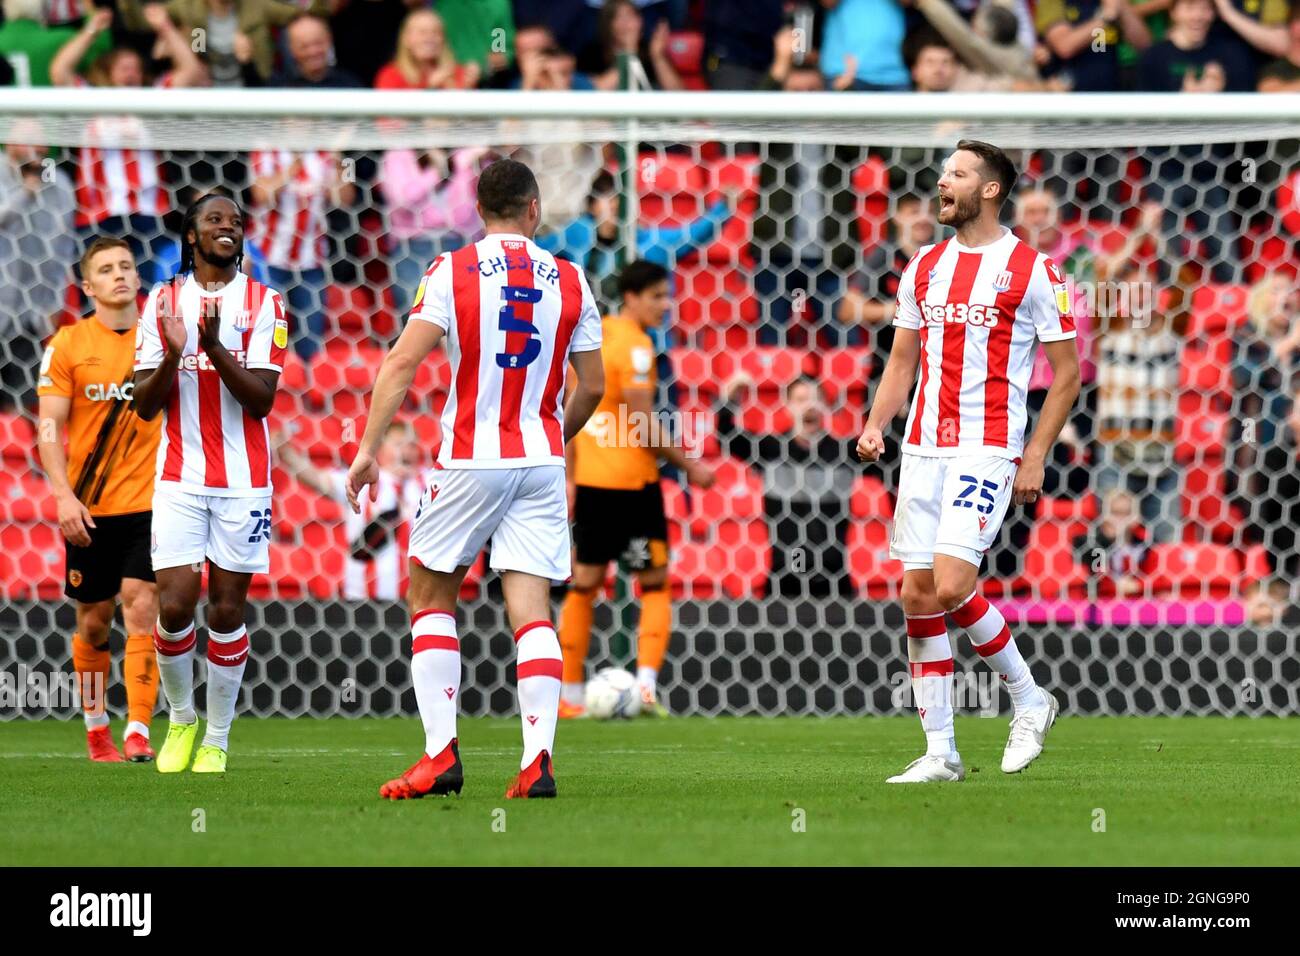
{"points": [[929, 656], [435, 672], [227, 658], [991, 638], [176, 670], [538, 668]]}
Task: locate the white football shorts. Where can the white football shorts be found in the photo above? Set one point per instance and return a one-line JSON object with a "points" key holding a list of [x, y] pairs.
{"points": [[232, 533], [951, 506], [523, 511]]}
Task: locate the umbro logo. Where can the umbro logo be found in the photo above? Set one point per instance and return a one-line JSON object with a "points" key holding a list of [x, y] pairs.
{"points": [[92, 361]]}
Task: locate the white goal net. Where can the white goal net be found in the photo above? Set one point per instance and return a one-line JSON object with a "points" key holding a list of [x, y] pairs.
{"points": [[1156, 576]]}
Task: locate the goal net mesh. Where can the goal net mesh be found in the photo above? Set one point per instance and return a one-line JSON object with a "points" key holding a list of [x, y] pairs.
{"points": [[1155, 576]]}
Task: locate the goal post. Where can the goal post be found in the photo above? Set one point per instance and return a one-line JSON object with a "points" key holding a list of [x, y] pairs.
{"points": [[779, 217]]}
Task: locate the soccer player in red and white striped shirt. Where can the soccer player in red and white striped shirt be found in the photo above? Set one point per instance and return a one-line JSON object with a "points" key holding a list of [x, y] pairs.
{"points": [[971, 312], [209, 353], [513, 317]]}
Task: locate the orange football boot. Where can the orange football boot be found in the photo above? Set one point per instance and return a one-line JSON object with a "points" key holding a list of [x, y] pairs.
{"points": [[137, 748], [438, 775], [571, 711], [534, 781], [99, 742]]}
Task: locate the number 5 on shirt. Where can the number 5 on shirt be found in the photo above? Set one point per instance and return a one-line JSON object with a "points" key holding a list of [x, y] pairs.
{"points": [[509, 322]]}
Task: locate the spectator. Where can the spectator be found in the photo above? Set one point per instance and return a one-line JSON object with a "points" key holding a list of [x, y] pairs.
{"points": [[738, 41], [120, 192], [871, 296], [530, 39], [1192, 59], [431, 199], [481, 32], [1266, 602], [988, 47], [1137, 384], [863, 39], [237, 44], [1258, 29], [1115, 550], [930, 61], [374, 568], [1282, 74], [28, 45], [620, 30], [424, 61], [808, 478], [365, 34], [36, 249], [805, 238], [570, 23], [564, 167], [292, 196], [311, 48], [1070, 32], [1266, 358], [593, 240]]}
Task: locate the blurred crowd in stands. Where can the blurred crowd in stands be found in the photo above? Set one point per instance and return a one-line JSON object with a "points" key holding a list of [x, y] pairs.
{"points": [[785, 258]]}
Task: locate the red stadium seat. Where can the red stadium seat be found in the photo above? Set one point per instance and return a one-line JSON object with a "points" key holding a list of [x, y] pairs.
{"points": [[708, 296], [686, 54], [26, 498], [1051, 569], [31, 562], [693, 373], [1217, 308], [871, 182], [771, 368], [17, 440], [873, 572], [1195, 570], [431, 384], [846, 375], [870, 499]]}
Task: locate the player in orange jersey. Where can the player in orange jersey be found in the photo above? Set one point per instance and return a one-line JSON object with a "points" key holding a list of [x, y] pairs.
{"points": [[103, 484], [618, 509]]}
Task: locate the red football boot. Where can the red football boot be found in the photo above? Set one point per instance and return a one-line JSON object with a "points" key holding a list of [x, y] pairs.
{"points": [[438, 775], [99, 742], [535, 781], [137, 748]]}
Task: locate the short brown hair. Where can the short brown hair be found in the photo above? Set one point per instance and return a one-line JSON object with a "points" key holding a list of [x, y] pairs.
{"points": [[997, 165], [101, 244]]}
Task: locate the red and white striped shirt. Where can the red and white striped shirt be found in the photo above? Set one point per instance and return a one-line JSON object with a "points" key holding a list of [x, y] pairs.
{"points": [[59, 12], [210, 444], [115, 179], [981, 313], [513, 313], [291, 233]]}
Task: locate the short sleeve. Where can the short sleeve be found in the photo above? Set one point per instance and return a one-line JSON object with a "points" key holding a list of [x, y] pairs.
{"points": [[434, 300], [1048, 300], [587, 335], [907, 315], [57, 364], [270, 339], [148, 343]]}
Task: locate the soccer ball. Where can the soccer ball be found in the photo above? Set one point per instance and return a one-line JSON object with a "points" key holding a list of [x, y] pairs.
{"points": [[611, 693]]}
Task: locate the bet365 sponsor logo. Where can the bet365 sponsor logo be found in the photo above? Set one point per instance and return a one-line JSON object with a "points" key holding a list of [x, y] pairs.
{"points": [[984, 316], [75, 909]]}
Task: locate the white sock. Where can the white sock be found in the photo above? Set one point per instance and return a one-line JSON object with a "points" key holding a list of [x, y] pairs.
{"points": [[136, 727], [538, 668], [929, 656], [991, 638], [647, 677], [435, 672], [175, 652], [575, 693], [95, 720], [227, 657]]}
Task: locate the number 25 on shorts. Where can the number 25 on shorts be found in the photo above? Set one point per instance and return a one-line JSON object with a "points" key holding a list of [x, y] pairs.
{"points": [[987, 490]]}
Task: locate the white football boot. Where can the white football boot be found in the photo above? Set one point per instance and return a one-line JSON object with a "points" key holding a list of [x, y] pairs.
{"points": [[1029, 729], [931, 769]]}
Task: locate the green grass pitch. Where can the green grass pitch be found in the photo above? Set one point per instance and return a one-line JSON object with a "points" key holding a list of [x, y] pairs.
{"points": [[794, 791]]}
